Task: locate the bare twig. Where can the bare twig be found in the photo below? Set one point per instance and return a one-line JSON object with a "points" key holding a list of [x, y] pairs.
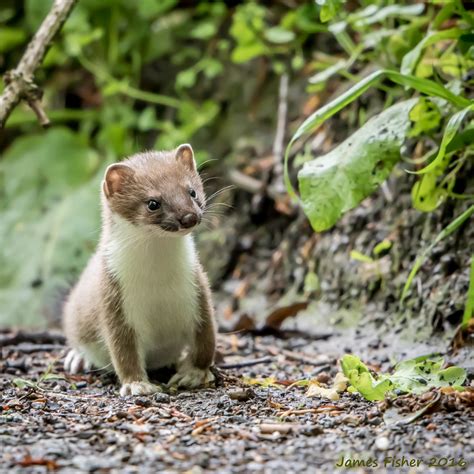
{"points": [[245, 182], [15, 338], [20, 81], [281, 126], [298, 356], [246, 363]]}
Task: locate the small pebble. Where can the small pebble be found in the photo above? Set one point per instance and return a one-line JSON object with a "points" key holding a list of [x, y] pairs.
{"points": [[142, 401], [161, 397], [241, 395], [382, 443]]}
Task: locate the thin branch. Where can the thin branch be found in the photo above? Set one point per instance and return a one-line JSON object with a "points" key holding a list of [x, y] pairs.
{"points": [[281, 125], [20, 81]]}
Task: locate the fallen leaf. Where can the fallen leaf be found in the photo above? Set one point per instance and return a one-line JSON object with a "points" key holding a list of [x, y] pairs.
{"points": [[244, 323], [29, 461], [264, 382], [316, 390], [340, 382], [276, 317]]}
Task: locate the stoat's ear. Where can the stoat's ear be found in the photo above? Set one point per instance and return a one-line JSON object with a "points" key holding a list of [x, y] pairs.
{"points": [[185, 155], [116, 175]]}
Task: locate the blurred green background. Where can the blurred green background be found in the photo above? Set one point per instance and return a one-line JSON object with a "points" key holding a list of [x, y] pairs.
{"points": [[125, 76], [122, 77]]}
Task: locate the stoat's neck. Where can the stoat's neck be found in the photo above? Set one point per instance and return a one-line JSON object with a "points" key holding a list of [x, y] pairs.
{"points": [[131, 248]]}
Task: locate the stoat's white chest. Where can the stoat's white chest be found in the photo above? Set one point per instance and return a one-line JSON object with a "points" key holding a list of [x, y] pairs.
{"points": [[157, 278]]}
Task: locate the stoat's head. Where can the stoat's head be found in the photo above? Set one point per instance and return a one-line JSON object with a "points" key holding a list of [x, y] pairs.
{"points": [[158, 190]]}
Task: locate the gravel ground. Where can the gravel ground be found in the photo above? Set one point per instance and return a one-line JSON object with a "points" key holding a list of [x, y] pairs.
{"points": [[50, 421]]}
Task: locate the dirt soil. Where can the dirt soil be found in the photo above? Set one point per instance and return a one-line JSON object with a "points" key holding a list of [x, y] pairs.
{"points": [[50, 421]]}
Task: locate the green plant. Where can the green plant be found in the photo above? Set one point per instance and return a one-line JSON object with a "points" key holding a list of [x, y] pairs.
{"points": [[338, 181], [469, 309], [415, 376], [48, 375], [121, 77]]}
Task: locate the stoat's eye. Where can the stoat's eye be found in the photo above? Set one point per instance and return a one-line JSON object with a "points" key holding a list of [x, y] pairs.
{"points": [[192, 193], [153, 205]]}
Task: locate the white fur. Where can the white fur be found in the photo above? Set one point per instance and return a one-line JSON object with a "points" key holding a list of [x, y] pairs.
{"points": [[189, 376], [138, 388], [75, 362], [158, 288]]}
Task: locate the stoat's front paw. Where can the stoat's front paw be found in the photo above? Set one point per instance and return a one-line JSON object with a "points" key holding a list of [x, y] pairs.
{"points": [[138, 388], [75, 362], [191, 377]]}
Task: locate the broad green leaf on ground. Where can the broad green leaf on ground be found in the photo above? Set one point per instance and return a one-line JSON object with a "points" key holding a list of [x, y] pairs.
{"points": [[421, 374], [411, 376], [361, 379], [337, 182], [50, 218]]}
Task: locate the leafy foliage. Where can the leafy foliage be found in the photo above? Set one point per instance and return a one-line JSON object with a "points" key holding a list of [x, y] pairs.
{"points": [[411, 376], [120, 77], [124, 76], [50, 215], [362, 380], [437, 66], [338, 181]]}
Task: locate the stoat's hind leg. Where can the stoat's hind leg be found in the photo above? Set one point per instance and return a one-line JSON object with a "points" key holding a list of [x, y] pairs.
{"points": [[75, 362]]}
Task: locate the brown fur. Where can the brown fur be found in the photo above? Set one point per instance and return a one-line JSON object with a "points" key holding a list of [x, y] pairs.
{"points": [[93, 312]]}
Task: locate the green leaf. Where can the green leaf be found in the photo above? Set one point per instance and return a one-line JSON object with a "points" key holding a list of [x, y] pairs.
{"points": [[329, 9], [248, 24], [390, 11], [186, 78], [338, 181], [360, 257], [47, 377], [411, 59], [426, 195], [321, 115], [411, 376], [150, 9], [244, 53], [425, 116], [469, 308], [22, 383], [361, 379], [50, 231], [418, 376], [382, 247], [204, 31], [10, 38], [279, 35], [449, 133], [325, 74]]}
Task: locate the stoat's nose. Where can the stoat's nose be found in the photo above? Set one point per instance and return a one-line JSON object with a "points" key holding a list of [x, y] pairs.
{"points": [[189, 220]]}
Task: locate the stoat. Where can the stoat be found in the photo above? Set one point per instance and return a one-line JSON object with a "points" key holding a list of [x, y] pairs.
{"points": [[144, 301]]}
